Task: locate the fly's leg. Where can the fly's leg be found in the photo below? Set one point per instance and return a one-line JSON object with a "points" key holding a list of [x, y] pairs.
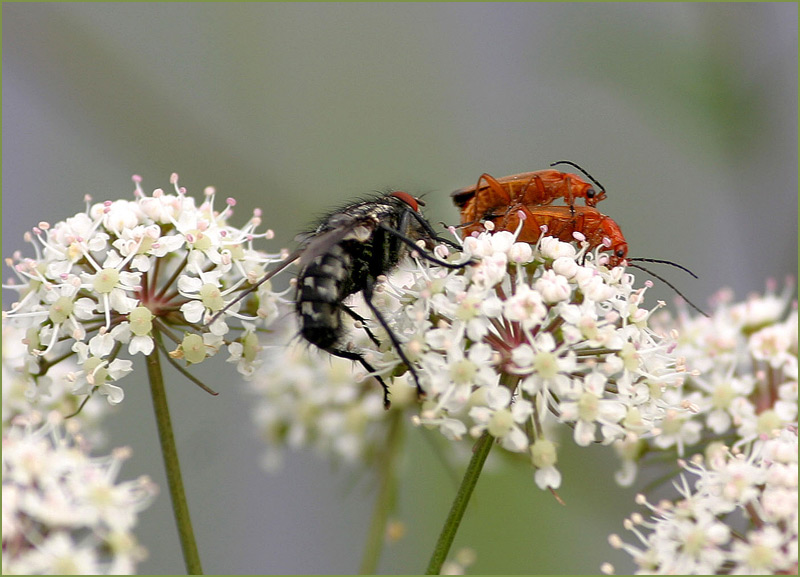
{"points": [[357, 317], [368, 291], [414, 246], [359, 358]]}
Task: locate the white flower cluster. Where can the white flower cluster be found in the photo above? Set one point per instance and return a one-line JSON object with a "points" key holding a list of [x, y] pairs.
{"points": [[521, 340], [130, 273], [746, 357], [741, 515], [532, 336], [64, 512], [742, 374], [51, 392], [739, 518], [310, 399]]}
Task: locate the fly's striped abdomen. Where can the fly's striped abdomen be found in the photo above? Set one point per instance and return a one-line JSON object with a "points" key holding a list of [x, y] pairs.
{"points": [[320, 290]]}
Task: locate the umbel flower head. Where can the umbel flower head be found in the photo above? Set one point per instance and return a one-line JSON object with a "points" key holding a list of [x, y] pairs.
{"points": [[532, 337], [130, 274], [310, 399], [45, 394], [526, 340], [742, 382], [737, 517], [736, 505], [64, 512]]}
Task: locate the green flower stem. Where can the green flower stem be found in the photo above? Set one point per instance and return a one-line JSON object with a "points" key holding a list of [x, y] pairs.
{"points": [[170, 452], [385, 501], [479, 453]]}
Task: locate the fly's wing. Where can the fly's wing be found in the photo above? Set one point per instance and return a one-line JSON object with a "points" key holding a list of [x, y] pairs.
{"points": [[311, 246], [316, 244]]}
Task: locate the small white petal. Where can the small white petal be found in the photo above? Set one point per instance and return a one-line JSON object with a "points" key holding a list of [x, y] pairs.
{"points": [[193, 311], [141, 344]]}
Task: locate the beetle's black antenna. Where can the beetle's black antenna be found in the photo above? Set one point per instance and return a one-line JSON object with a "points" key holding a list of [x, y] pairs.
{"points": [[672, 286], [660, 261], [583, 170]]}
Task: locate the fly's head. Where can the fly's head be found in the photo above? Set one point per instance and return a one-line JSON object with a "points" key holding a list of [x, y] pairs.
{"points": [[408, 219]]}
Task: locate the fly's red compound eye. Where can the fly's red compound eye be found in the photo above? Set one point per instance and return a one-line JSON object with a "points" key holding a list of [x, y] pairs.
{"points": [[408, 199]]}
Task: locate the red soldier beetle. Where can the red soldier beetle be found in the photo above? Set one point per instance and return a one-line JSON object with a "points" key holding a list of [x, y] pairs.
{"points": [[491, 195]]}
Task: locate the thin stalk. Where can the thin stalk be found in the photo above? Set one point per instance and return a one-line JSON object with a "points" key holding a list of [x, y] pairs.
{"points": [[170, 452], [384, 503], [479, 453]]}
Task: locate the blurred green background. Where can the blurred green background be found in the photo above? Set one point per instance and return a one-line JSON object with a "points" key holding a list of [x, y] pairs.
{"points": [[687, 113]]}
